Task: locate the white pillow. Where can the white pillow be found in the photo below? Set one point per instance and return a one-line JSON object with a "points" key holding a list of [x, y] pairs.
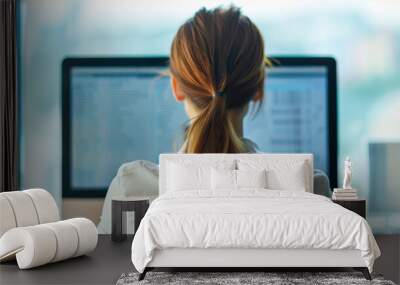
{"points": [[223, 179], [237, 179], [251, 178], [182, 177], [282, 174]]}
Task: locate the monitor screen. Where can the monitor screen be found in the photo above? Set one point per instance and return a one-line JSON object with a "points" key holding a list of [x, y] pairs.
{"points": [[122, 113], [293, 117]]}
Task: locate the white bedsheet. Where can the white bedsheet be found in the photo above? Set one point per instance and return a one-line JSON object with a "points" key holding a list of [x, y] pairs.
{"points": [[250, 218]]}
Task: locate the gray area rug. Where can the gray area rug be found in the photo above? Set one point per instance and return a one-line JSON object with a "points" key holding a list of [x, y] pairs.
{"points": [[228, 278]]}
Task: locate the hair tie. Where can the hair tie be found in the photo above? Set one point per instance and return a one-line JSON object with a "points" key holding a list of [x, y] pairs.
{"points": [[220, 94]]}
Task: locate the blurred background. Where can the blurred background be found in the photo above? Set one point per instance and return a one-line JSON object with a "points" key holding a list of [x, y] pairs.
{"points": [[363, 36]]}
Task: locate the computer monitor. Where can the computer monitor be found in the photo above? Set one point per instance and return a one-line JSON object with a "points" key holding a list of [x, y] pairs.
{"points": [[117, 110]]}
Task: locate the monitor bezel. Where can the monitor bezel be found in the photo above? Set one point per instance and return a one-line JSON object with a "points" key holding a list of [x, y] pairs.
{"points": [[69, 63]]}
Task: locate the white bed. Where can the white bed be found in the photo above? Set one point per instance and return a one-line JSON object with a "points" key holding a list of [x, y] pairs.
{"points": [[195, 224]]}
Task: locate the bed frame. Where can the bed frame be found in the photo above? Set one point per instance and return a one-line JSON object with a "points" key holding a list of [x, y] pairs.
{"points": [[239, 260], [249, 259]]}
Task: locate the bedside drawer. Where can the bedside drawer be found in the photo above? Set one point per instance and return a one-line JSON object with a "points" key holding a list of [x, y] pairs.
{"points": [[357, 206]]}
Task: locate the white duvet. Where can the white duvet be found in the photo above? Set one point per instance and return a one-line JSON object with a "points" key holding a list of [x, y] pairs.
{"points": [[250, 218]]}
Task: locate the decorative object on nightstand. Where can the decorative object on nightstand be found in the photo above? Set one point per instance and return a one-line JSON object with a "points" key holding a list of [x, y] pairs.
{"points": [[344, 194], [347, 173], [347, 192], [358, 206], [121, 205]]}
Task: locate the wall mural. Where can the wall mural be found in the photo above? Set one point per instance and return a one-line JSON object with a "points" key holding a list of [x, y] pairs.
{"points": [[364, 37]]}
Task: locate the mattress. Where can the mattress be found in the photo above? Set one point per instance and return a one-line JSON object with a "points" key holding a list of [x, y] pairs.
{"points": [[250, 219]]}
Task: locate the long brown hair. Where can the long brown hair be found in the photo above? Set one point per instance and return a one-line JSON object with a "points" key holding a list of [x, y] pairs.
{"points": [[217, 58]]}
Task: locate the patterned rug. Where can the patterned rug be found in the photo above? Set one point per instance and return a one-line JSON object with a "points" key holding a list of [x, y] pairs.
{"points": [[230, 278]]}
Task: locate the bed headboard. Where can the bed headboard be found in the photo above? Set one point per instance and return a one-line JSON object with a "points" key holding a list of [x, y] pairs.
{"points": [[214, 159]]}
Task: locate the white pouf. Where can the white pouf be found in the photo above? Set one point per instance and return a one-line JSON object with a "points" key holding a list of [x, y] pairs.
{"points": [[31, 232]]}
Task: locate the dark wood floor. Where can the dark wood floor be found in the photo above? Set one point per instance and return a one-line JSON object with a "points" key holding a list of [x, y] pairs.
{"points": [[389, 262], [103, 266], [110, 260]]}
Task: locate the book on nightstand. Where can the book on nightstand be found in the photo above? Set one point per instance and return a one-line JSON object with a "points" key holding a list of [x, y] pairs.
{"points": [[344, 194]]}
